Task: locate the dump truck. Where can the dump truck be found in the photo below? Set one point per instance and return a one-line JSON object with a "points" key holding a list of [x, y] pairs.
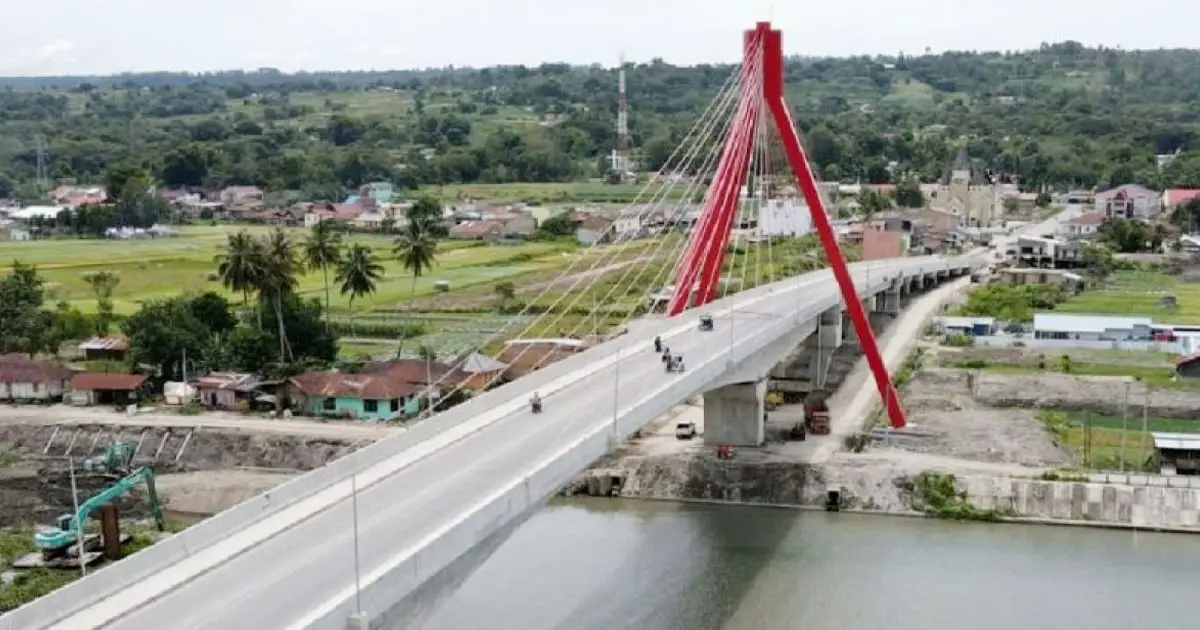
{"points": [[816, 413]]}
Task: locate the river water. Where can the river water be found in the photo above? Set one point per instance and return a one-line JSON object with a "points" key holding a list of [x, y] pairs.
{"points": [[608, 564]]}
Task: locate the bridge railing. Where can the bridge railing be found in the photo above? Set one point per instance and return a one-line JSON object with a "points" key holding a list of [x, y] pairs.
{"points": [[86, 591]]}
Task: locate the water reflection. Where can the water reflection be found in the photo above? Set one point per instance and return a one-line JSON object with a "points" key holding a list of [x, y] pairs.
{"points": [[615, 565]]}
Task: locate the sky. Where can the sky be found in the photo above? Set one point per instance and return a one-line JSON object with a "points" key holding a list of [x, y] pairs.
{"points": [[82, 37]]}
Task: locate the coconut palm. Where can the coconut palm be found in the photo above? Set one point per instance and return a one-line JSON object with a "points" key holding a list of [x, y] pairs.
{"points": [[240, 266], [358, 272], [280, 266], [416, 249], [322, 250]]}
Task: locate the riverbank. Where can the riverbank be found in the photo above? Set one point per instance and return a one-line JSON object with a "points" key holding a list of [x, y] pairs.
{"points": [[980, 445]]}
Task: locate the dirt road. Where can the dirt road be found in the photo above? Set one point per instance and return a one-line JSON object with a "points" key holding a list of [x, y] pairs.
{"points": [[62, 414]]}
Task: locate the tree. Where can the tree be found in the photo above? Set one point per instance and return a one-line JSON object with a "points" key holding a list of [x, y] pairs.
{"points": [[22, 324], [164, 333], [280, 267], [1011, 205], [558, 226], [908, 194], [358, 272], [322, 250], [427, 210], [103, 283], [241, 265], [416, 249]]}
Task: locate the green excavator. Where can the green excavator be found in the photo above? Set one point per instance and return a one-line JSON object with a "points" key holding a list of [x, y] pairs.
{"points": [[115, 458], [55, 540]]}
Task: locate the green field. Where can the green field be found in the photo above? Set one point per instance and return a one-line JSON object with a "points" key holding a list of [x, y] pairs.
{"points": [[1138, 293], [1111, 443], [159, 268]]}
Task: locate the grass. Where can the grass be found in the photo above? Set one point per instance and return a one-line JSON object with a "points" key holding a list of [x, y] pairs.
{"points": [[1115, 443], [1138, 293], [1152, 368], [160, 268], [34, 583]]}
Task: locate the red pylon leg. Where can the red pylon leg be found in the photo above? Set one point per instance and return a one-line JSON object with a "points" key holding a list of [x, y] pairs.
{"points": [[772, 66], [705, 253]]}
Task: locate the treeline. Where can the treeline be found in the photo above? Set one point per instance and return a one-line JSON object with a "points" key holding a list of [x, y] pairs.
{"points": [[1061, 116]]}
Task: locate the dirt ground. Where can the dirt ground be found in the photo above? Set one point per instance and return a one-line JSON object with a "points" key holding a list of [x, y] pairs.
{"points": [[940, 406]]}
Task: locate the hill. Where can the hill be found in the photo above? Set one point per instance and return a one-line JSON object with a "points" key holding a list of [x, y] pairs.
{"points": [[1064, 115]]}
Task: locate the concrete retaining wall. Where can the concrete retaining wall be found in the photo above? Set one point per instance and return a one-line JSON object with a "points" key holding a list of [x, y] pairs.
{"points": [[1150, 507], [111, 579]]}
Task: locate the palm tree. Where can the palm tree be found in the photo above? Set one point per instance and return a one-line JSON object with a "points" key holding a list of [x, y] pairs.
{"points": [[240, 266], [322, 250], [358, 272], [416, 248], [280, 266]]}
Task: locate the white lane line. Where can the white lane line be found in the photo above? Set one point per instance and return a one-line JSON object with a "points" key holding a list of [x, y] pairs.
{"points": [[172, 577], [331, 604]]}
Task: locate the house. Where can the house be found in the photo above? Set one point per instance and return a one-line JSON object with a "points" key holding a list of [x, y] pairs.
{"points": [[93, 388], [1070, 282], [1092, 327], [224, 390], [1174, 197], [24, 379], [784, 217], [380, 391], [513, 222], [74, 196], [528, 355], [378, 192], [969, 326], [241, 195], [1085, 225], [1177, 453], [13, 232], [594, 229], [477, 371], [881, 244], [478, 230], [1130, 201], [1050, 253], [104, 349]]}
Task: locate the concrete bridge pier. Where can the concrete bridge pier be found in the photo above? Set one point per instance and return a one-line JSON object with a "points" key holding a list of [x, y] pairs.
{"points": [[733, 414], [849, 334], [890, 301], [822, 344]]}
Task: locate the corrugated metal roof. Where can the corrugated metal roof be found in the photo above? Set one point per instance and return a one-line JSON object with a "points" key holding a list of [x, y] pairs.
{"points": [[965, 322], [1053, 322], [1176, 441], [105, 343]]}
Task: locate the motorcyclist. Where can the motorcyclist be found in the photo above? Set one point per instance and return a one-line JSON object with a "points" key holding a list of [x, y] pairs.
{"points": [[666, 354], [535, 402], [658, 344]]}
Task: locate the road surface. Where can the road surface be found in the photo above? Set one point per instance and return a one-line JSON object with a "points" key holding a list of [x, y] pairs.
{"points": [[279, 580]]}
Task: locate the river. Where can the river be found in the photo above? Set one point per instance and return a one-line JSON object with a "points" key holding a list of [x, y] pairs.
{"points": [[607, 564]]}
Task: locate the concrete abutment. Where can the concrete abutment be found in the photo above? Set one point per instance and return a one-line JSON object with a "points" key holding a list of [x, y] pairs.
{"points": [[733, 414]]}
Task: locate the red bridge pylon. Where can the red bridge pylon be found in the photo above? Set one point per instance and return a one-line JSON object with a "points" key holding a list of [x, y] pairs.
{"points": [[761, 85]]}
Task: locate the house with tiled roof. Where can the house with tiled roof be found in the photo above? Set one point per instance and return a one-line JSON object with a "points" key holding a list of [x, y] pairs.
{"points": [[379, 391], [1174, 197], [1082, 226], [25, 379]]}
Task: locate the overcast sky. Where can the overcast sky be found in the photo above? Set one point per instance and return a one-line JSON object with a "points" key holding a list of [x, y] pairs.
{"points": [[53, 37]]}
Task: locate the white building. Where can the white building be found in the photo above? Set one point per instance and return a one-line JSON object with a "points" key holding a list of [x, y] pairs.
{"points": [[1091, 327], [784, 217]]}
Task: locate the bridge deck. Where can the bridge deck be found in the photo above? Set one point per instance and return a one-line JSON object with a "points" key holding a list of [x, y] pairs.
{"points": [[285, 576]]}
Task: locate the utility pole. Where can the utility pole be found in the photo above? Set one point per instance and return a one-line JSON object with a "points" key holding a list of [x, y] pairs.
{"points": [[80, 532]]}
